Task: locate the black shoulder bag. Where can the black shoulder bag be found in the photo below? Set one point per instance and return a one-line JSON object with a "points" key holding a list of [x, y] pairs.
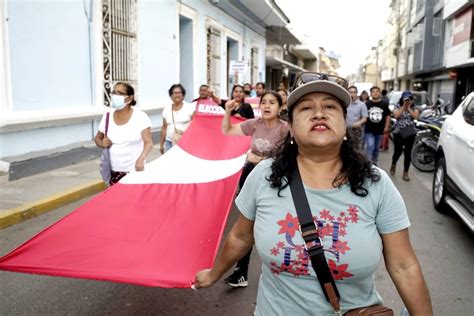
{"points": [[314, 247]]}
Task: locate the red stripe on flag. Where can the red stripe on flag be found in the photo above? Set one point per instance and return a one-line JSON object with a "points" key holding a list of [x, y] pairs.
{"points": [[134, 234], [199, 142], [146, 234]]}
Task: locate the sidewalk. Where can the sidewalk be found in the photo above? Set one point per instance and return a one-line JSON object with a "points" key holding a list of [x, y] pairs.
{"points": [[31, 196]]}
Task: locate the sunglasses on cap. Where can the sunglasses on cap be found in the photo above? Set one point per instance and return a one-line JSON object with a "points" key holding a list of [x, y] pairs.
{"points": [[306, 77]]}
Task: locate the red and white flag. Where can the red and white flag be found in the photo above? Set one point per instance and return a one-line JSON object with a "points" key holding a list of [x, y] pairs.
{"points": [[154, 228]]}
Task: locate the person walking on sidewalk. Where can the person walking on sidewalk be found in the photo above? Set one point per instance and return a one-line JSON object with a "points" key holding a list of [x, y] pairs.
{"points": [[378, 123], [356, 117], [358, 213], [266, 132], [176, 118], [128, 136], [404, 132]]}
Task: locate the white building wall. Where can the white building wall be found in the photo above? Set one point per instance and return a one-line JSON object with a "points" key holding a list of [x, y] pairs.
{"points": [[47, 73], [5, 89], [158, 54], [51, 62], [158, 44], [49, 54], [452, 6]]}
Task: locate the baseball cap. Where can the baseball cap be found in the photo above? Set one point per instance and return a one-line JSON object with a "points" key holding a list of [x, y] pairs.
{"points": [[325, 86], [407, 94]]}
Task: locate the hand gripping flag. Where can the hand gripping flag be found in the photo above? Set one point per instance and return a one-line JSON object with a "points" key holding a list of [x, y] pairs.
{"points": [[154, 228]]}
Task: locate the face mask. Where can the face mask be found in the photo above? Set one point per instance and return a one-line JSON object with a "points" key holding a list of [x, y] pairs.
{"points": [[118, 102]]}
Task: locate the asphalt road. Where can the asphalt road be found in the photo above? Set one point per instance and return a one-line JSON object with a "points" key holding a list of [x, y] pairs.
{"points": [[443, 245]]}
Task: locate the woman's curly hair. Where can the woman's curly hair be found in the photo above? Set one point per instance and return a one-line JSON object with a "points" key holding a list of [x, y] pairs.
{"points": [[356, 167]]}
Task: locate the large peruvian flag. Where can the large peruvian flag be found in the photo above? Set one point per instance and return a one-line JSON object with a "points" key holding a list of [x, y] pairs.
{"points": [[154, 228]]}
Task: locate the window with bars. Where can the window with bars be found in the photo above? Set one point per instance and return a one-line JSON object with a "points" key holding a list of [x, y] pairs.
{"points": [[213, 58], [119, 22]]}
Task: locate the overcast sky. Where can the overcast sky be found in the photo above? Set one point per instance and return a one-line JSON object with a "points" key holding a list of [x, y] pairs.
{"points": [[348, 27]]}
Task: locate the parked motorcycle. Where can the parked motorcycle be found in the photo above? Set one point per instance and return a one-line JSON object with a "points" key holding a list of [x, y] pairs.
{"points": [[424, 148], [439, 109]]}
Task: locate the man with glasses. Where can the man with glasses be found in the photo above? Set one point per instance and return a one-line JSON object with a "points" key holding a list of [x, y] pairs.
{"points": [[377, 125], [356, 117]]}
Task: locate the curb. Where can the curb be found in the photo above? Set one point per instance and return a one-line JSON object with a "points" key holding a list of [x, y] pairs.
{"points": [[29, 210]]}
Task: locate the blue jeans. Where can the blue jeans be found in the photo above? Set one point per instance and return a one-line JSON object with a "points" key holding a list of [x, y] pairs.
{"points": [[372, 144], [168, 145]]}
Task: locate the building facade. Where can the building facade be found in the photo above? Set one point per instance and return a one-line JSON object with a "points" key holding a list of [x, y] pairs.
{"points": [[429, 46], [458, 19], [60, 59]]}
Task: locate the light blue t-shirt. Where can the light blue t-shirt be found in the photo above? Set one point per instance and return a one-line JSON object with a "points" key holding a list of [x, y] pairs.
{"points": [[350, 227], [355, 111]]}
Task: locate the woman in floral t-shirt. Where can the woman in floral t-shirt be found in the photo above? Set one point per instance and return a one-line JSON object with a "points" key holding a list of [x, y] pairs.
{"points": [[359, 216]]}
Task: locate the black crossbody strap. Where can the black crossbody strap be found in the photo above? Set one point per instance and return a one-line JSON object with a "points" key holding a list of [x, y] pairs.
{"points": [[107, 123], [313, 243]]}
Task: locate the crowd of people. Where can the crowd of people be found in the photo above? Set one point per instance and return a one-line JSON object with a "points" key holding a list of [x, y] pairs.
{"points": [[369, 122], [325, 133]]}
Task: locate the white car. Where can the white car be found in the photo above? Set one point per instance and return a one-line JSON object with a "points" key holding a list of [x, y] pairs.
{"points": [[453, 180]]}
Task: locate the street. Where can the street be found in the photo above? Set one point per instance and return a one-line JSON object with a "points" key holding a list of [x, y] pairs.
{"points": [[442, 243]]}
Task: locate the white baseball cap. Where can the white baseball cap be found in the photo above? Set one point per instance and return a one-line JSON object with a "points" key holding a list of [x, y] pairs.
{"points": [[325, 86]]}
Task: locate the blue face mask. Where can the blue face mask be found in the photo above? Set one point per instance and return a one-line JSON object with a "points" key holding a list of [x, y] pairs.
{"points": [[118, 102]]}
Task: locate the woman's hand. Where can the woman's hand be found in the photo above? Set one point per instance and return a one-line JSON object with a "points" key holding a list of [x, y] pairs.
{"points": [[253, 158], [204, 278], [162, 149], [106, 142], [210, 93], [140, 164], [231, 105]]}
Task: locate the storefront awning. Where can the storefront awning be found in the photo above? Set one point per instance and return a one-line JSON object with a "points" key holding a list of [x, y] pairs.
{"points": [[275, 62]]}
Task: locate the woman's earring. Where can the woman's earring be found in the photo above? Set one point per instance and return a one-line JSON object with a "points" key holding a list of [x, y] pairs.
{"points": [[291, 141], [345, 137]]}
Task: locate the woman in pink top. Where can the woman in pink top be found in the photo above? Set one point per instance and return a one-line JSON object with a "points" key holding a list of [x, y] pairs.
{"points": [[267, 132]]}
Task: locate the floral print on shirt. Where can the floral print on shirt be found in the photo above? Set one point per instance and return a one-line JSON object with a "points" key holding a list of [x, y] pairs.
{"points": [[295, 258]]}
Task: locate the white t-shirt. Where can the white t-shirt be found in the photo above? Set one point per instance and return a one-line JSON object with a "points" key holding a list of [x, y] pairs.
{"points": [[127, 142], [182, 118]]}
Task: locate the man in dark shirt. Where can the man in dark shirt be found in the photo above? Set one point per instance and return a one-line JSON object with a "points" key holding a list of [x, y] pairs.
{"points": [[385, 97], [378, 123], [386, 138]]}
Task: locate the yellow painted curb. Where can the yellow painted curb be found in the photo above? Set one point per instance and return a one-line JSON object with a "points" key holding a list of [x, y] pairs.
{"points": [[29, 210]]}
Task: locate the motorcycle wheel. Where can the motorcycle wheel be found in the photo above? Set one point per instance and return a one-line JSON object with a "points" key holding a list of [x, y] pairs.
{"points": [[423, 157]]}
